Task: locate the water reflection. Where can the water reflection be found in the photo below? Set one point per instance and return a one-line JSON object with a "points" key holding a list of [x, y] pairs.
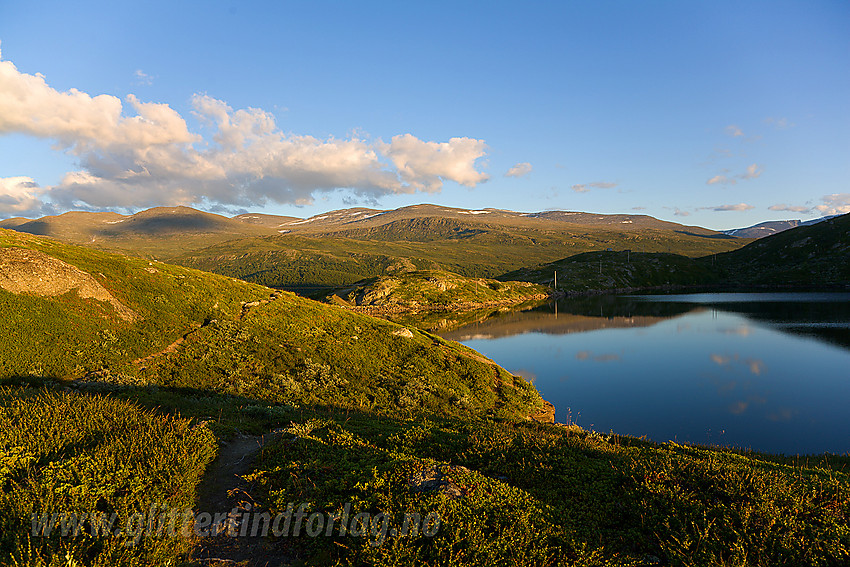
{"points": [[761, 371]]}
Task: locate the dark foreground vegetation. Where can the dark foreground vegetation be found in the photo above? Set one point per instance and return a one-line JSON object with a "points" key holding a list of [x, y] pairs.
{"points": [[505, 492]]}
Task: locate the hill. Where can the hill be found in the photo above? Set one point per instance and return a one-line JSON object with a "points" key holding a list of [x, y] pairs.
{"points": [[813, 255], [770, 228], [77, 313], [434, 289], [158, 233], [617, 270]]}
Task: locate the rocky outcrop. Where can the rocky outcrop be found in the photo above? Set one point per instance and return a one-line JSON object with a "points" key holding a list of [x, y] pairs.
{"points": [[546, 413], [35, 273]]}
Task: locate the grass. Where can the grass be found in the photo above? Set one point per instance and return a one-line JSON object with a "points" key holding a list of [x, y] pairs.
{"points": [[534, 494], [522, 493], [69, 452]]}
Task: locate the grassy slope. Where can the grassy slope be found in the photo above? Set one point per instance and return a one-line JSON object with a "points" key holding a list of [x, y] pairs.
{"points": [[434, 288], [529, 494], [62, 452], [281, 347]]}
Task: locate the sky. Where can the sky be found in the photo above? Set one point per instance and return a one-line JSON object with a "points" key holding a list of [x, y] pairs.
{"points": [[714, 113]]}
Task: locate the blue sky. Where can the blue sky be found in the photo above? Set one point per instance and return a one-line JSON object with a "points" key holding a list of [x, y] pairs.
{"points": [[720, 114]]}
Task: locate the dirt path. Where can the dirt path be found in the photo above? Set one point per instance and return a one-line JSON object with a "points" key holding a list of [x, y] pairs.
{"points": [[143, 362], [246, 307], [223, 490]]}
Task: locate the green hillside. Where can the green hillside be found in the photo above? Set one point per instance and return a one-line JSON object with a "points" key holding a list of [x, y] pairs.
{"points": [[434, 289], [233, 337], [469, 250]]}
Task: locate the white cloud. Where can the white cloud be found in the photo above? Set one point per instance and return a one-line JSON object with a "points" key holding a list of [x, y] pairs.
{"points": [[790, 208], [680, 213], [143, 78], [424, 164], [19, 195], [835, 204], [734, 131], [519, 170], [142, 154], [722, 179], [753, 172]]}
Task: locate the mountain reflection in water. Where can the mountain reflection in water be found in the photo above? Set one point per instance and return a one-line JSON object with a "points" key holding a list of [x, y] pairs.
{"points": [[767, 371]]}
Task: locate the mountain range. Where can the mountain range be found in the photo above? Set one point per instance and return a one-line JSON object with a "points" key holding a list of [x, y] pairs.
{"points": [[343, 247]]}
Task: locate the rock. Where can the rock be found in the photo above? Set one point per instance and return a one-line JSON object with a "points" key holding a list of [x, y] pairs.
{"points": [[436, 478], [35, 273], [406, 333], [546, 414]]}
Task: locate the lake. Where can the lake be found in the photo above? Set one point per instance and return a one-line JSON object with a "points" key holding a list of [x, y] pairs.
{"points": [[762, 371]]}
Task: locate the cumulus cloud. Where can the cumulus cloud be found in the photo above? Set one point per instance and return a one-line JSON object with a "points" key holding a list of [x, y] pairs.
{"points": [[734, 131], [680, 213], [519, 170], [835, 204], [19, 195], [753, 171], [423, 165], [136, 154], [790, 208], [585, 187]]}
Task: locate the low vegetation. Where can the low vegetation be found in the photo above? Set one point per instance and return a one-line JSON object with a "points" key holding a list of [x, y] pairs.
{"points": [[434, 289], [529, 494], [99, 461]]}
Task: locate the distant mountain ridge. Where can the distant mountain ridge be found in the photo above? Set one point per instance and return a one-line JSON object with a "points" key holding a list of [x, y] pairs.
{"points": [[772, 227], [813, 254]]}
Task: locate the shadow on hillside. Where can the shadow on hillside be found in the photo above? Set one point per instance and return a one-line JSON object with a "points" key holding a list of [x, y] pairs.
{"points": [[709, 236], [165, 224]]}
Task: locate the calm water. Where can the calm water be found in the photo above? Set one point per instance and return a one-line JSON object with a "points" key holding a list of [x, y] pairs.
{"points": [[767, 371]]}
